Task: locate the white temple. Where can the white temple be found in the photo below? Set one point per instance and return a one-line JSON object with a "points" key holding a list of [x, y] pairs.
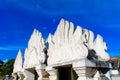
{"points": [[68, 54]]}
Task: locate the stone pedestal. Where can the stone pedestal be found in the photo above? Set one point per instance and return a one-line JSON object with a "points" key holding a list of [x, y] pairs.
{"points": [[52, 72], [28, 75]]}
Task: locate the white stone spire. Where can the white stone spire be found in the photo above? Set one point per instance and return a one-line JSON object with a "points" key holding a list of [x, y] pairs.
{"points": [[34, 54], [18, 63]]}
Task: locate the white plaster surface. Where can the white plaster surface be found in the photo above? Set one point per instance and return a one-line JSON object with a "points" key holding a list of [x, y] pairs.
{"points": [[18, 63], [66, 44], [34, 54]]}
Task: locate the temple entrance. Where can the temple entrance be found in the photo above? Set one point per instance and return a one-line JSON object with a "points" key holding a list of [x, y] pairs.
{"points": [[66, 73]]}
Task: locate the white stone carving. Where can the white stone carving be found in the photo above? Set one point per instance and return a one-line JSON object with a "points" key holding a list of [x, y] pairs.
{"points": [[34, 54], [98, 45], [100, 48], [66, 44], [18, 66], [66, 47], [18, 63]]}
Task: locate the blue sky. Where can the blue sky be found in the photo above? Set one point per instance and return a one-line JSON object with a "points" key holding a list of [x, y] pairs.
{"points": [[18, 18]]}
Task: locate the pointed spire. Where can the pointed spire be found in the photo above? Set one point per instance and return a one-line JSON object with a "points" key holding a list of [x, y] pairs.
{"points": [[67, 27], [18, 62], [34, 31], [100, 48], [35, 48], [71, 32], [91, 40], [49, 39], [78, 33], [26, 57]]}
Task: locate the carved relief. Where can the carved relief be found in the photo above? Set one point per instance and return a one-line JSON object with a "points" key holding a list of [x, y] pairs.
{"points": [[70, 44], [66, 44], [98, 45], [34, 54]]}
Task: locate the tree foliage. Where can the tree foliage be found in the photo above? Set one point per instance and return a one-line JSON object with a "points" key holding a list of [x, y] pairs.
{"points": [[119, 58], [7, 68], [1, 63]]}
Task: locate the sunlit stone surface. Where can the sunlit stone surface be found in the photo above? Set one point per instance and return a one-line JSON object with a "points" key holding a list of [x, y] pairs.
{"points": [[66, 44], [76, 50], [76, 43], [98, 45], [18, 63], [34, 54]]}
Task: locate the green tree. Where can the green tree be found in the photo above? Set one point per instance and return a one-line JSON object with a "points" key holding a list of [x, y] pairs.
{"points": [[119, 58], [7, 68], [1, 63]]}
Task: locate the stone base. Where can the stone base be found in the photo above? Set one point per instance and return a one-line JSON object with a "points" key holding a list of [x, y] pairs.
{"points": [[84, 68]]}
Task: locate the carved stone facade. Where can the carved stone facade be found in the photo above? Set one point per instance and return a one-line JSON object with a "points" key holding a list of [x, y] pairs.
{"points": [[72, 52]]}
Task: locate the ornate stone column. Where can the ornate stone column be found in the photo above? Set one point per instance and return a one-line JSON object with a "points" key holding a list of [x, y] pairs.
{"points": [[84, 73], [82, 68], [52, 72], [43, 75], [81, 72]]}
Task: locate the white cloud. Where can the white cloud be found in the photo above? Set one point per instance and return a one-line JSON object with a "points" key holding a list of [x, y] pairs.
{"points": [[5, 60], [11, 47]]}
